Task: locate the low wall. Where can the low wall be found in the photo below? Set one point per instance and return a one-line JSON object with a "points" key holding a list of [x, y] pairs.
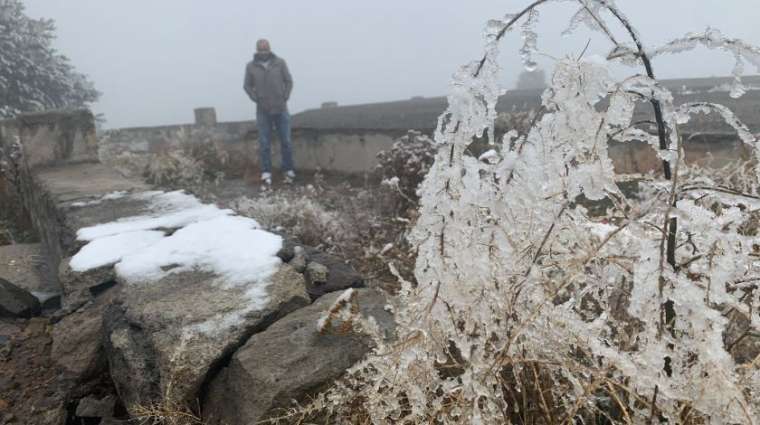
{"points": [[48, 141], [710, 150], [353, 151], [51, 138], [343, 151]]}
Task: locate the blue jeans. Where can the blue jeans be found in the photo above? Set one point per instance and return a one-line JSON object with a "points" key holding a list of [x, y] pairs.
{"points": [[266, 122]]}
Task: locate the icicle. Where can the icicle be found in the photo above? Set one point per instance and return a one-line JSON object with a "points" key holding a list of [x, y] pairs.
{"points": [[530, 41]]}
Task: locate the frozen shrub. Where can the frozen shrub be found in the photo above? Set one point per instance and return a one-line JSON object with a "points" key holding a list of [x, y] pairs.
{"points": [[402, 169], [193, 167], [212, 159], [526, 310], [347, 221], [175, 169], [10, 162], [15, 223], [302, 218]]}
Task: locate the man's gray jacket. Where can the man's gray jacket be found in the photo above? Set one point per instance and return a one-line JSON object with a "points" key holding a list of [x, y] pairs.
{"points": [[268, 84]]}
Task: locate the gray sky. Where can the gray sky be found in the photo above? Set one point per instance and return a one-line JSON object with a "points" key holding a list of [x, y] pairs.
{"points": [[156, 60]]}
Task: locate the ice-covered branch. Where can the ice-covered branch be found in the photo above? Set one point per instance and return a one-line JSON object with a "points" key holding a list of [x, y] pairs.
{"points": [[714, 39]]}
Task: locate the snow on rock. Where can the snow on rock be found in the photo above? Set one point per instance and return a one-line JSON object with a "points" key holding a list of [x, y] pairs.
{"points": [[111, 249], [108, 197], [231, 247], [209, 239], [196, 281], [170, 210]]}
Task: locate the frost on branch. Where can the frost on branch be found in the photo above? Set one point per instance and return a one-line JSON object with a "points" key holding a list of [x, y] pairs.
{"points": [[714, 39], [528, 310]]}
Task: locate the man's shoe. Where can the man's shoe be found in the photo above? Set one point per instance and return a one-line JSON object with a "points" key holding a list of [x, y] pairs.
{"points": [[290, 177], [266, 178]]}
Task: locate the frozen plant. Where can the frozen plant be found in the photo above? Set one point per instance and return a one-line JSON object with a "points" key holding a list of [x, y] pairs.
{"points": [[402, 169], [10, 162], [175, 169], [303, 218], [528, 311]]}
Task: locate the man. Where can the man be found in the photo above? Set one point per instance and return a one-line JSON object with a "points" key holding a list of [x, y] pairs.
{"points": [[268, 83]]}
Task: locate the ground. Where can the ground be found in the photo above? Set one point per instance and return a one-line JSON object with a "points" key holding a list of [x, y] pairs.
{"points": [[350, 216], [347, 216]]}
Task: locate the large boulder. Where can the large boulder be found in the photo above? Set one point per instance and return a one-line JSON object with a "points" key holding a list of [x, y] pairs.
{"points": [[16, 302], [78, 340], [165, 337], [290, 361]]}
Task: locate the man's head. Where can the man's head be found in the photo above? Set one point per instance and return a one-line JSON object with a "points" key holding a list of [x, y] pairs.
{"points": [[262, 46]]}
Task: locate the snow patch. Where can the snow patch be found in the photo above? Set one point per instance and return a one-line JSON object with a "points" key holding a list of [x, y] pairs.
{"points": [[235, 249], [111, 249], [109, 197], [168, 210]]}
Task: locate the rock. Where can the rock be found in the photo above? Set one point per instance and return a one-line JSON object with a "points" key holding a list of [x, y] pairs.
{"points": [[340, 275], [36, 327], [91, 407], [299, 262], [48, 300], [289, 361], [293, 254], [8, 331], [8, 418], [78, 340], [78, 287], [165, 337], [288, 250], [25, 266], [16, 302], [316, 274]]}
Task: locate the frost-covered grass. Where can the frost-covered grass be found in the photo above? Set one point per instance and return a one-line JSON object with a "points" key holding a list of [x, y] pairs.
{"points": [[354, 223]]}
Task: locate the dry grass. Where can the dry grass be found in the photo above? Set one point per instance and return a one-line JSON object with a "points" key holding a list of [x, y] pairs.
{"points": [[164, 414]]}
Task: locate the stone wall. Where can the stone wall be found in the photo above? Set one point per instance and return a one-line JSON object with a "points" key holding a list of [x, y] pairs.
{"points": [[342, 150], [53, 138], [712, 150], [49, 141], [354, 151], [130, 150]]}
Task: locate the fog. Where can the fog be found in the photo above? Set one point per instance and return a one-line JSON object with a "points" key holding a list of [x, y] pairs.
{"points": [[155, 61]]}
